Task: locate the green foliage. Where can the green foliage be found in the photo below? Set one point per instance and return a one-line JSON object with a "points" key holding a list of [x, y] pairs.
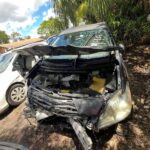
{"points": [[81, 12], [127, 18], [101, 9], [129, 21], [146, 28], [50, 27], [4, 38], [66, 9]]}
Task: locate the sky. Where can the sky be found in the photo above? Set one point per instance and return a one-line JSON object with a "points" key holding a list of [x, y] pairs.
{"points": [[24, 16]]}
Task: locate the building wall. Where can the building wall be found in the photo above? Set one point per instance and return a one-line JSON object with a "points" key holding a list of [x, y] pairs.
{"points": [[2, 50]]}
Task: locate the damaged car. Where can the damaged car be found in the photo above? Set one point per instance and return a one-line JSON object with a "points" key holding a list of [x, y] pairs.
{"points": [[82, 78]]}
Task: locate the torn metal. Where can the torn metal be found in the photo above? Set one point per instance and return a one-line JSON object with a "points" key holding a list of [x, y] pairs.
{"points": [[80, 88]]}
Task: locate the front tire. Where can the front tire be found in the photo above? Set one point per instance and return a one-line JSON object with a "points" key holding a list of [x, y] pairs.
{"points": [[16, 94]]}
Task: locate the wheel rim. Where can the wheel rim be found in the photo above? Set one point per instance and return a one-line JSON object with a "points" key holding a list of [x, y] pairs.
{"points": [[18, 94]]}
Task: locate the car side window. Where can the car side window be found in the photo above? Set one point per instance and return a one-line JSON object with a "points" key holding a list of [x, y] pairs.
{"points": [[5, 59]]}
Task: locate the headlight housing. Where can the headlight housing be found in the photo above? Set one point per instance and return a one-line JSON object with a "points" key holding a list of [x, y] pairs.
{"points": [[117, 108]]}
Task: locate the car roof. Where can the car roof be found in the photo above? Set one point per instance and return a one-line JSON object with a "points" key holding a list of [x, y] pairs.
{"points": [[84, 28]]}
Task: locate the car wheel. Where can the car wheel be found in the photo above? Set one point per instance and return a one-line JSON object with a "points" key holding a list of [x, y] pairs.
{"points": [[16, 94]]}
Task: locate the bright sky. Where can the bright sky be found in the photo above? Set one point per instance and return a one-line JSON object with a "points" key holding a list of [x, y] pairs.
{"points": [[24, 16]]}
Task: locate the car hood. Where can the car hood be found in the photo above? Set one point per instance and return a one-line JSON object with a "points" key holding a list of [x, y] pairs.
{"points": [[42, 50]]}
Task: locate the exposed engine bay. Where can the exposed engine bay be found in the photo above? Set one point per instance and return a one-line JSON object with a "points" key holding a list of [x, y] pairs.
{"points": [[67, 90]]}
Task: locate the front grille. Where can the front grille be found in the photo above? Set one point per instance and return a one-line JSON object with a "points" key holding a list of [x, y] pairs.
{"points": [[52, 102]]}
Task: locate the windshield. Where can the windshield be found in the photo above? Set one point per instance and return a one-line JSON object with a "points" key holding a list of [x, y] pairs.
{"points": [[51, 40], [98, 38], [5, 59]]}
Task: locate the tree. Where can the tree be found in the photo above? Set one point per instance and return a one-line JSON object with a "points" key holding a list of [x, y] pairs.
{"points": [[27, 37], [51, 27], [83, 10], [66, 9], [146, 5], [15, 36], [4, 38], [127, 18]]}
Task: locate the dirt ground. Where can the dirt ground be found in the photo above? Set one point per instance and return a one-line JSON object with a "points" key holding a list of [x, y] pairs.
{"points": [[133, 134]]}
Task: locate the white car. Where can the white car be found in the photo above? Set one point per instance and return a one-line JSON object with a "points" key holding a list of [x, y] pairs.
{"points": [[13, 67]]}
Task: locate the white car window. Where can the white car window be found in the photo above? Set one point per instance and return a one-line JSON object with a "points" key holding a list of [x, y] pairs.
{"points": [[5, 59]]}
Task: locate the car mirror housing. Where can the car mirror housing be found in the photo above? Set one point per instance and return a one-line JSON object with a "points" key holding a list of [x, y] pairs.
{"points": [[122, 47]]}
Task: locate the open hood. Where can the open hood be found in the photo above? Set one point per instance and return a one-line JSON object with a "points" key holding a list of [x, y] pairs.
{"points": [[42, 50]]}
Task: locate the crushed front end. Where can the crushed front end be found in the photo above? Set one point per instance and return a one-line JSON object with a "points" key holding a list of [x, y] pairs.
{"points": [[91, 91]]}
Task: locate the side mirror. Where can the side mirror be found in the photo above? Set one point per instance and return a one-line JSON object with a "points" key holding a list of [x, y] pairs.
{"points": [[122, 47]]}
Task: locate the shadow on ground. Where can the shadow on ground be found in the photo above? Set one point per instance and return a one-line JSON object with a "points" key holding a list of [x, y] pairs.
{"points": [[6, 113]]}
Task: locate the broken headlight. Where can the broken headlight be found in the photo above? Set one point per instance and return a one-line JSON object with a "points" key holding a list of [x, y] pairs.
{"points": [[117, 108]]}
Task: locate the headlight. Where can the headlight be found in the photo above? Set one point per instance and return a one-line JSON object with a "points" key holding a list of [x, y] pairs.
{"points": [[117, 108]]}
